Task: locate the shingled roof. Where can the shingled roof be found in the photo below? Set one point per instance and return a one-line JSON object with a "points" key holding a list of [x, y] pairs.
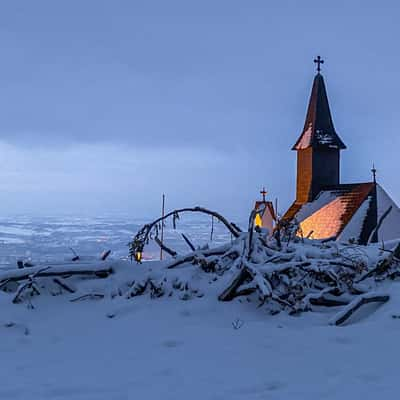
{"points": [[318, 127], [329, 214]]}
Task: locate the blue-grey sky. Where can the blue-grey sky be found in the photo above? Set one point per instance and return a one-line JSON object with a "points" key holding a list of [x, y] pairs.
{"points": [[106, 104]]}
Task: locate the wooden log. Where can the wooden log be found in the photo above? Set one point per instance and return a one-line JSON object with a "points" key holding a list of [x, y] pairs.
{"points": [[89, 296], [104, 255], [231, 291], [76, 256], [18, 275], [188, 242], [218, 251], [165, 248], [236, 227], [4, 283], [325, 302], [244, 292], [20, 290], [181, 261], [63, 285], [352, 307]]}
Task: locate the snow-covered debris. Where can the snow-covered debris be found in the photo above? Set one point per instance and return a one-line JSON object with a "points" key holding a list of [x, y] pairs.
{"points": [[278, 274]]}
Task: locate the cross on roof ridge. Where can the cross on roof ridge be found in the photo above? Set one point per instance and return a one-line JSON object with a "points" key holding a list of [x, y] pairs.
{"points": [[263, 192]]}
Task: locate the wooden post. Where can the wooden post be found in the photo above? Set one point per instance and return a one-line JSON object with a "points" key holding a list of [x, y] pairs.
{"points": [[162, 225]]}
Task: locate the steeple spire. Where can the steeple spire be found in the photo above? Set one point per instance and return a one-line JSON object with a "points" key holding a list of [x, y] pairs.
{"points": [[318, 147], [318, 128]]}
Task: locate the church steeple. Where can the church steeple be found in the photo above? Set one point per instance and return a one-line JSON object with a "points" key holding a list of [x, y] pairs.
{"points": [[318, 147], [318, 128]]}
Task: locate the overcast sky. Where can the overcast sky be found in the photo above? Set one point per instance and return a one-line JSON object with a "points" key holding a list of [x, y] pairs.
{"points": [[104, 105]]}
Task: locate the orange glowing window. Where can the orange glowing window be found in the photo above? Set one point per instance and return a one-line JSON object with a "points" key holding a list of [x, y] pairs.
{"points": [[258, 221]]}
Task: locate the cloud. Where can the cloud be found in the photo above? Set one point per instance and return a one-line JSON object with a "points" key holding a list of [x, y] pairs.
{"points": [[101, 179], [105, 105]]}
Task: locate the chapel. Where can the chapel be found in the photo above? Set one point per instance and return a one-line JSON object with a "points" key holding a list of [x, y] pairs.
{"points": [[324, 207]]}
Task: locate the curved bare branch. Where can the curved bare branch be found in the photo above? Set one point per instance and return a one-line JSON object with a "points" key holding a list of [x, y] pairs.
{"points": [[142, 237]]}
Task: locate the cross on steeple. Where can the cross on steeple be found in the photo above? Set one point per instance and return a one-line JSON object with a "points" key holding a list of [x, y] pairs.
{"points": [[263, 193], [319, 61], [373, 170]]}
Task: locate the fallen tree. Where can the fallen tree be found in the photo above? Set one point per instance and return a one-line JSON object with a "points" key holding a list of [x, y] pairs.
{"points": [[18, 275], [278, 271], [284, 271], [26, 283]]}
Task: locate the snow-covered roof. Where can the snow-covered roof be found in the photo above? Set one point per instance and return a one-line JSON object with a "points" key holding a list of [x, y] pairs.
{"points": [[337, 211], [350, 211]]}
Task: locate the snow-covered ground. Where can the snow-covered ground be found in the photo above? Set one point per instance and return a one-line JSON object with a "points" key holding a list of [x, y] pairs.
{"points": [[167, 348]]}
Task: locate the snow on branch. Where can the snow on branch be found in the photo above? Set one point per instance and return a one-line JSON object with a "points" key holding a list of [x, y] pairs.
{"points": [[343, 315], [17, 275], [280, 272], [144, 235]]}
